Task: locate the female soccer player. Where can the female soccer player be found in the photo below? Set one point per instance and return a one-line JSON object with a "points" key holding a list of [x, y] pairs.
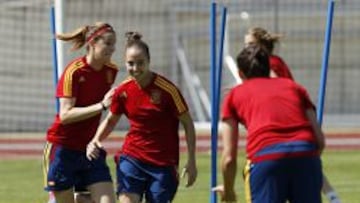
{"points": [[278, 68], [284, 140], [148, 162], [84, 93]]}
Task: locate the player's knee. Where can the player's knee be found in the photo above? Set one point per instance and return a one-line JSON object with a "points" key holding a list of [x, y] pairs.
{"points": [[83, 198], [129, 198]]}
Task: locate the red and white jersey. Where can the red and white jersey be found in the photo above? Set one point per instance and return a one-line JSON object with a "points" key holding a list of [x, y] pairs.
{"points": [[88, 86], [279, 67], [272, 110], [153, 114]]}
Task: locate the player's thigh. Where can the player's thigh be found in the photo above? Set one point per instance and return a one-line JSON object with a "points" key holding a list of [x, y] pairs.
{"points": [[95, 171], [129, 198], [102, 192], [131, 178], [64, 196], [60, 165], [83, 197], [307, 179], [163, 185], [265, 182]]}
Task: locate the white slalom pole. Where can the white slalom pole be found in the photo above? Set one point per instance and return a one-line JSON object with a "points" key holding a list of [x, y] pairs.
{"points": [[59, 28]]}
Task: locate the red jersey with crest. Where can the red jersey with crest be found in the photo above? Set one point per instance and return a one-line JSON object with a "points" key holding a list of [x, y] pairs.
{"points": [[88, 86], [153, 114], [273, 112], [279, 67]]}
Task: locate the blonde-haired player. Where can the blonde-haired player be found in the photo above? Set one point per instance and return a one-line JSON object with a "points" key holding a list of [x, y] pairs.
{"points": [[84, 91]]}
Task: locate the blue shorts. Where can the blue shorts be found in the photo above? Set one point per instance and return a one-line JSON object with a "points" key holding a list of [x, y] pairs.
{"points": [[66, 168], [297, 180], [156, 184]]}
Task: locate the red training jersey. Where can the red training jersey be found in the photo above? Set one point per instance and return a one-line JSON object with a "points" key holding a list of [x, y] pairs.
{"points": [[153, 114], [272, 110], [279, 67], [88, 86]]}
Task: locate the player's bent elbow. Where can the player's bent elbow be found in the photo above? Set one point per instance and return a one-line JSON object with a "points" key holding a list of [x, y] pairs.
{"points": [[228, 161], [64, 119]]}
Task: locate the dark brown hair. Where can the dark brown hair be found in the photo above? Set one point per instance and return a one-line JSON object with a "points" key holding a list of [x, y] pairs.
{"points": [[253, 61], [134, 39]]}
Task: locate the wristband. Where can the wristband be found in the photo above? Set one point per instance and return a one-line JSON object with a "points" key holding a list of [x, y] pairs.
{"points": [[103, 106]]}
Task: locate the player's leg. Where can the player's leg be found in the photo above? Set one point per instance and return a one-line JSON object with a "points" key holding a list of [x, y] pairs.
{"points": [[64, 196], [265, 182], [163, 185], [59, 166], [329, 191], [51, 198], [97, 177], [129, 198], [102, 192], [131, 180], [306, 180], [81, 193], [83, 197]]}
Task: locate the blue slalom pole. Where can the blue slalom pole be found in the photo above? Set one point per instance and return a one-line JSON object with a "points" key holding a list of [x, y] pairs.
{"points": [[213, 180], [220, 59], [54, 52], [325, 61]]}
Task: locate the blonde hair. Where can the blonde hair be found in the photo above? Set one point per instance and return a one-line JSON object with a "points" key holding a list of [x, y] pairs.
{"points": [[265, 38], [82, 35]]}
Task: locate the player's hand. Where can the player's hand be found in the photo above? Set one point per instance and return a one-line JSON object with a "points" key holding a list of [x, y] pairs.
{"points": [[93, 150], [226, 196], [108, 97], [190, 171]]}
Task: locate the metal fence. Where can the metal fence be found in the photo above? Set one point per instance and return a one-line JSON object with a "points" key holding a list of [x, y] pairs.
{"points": [[26, 78]]}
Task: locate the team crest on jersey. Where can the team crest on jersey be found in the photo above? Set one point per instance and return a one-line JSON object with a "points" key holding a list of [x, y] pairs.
{"points": [[109, 77], [155, 96]]}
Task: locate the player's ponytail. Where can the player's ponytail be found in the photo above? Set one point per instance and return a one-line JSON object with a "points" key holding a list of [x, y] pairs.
{"points": [[264, 38], [85, 34], [76, 37]]}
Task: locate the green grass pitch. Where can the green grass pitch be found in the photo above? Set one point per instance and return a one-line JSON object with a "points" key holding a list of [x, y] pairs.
{"points": [[21, 180]]}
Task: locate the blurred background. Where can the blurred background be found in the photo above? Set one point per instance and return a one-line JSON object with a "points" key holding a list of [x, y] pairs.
{"points": [[177, 32]]}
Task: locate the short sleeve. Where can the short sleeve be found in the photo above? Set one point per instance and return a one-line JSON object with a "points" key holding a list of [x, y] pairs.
{"points": [[280, 68], [228, 110], [117, 106], [68, 84], [305, 98], [177, 102]]}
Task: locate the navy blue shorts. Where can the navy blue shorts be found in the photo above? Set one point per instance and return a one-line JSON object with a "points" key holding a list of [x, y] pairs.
{"points": [[297, 180], [65, 168], [156, 184]]}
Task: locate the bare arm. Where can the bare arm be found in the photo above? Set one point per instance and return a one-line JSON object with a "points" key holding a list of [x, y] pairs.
{"points": [[190, 167], [319, 135], [106, 126], [70, 114], [229, 157], [103, 131]]}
